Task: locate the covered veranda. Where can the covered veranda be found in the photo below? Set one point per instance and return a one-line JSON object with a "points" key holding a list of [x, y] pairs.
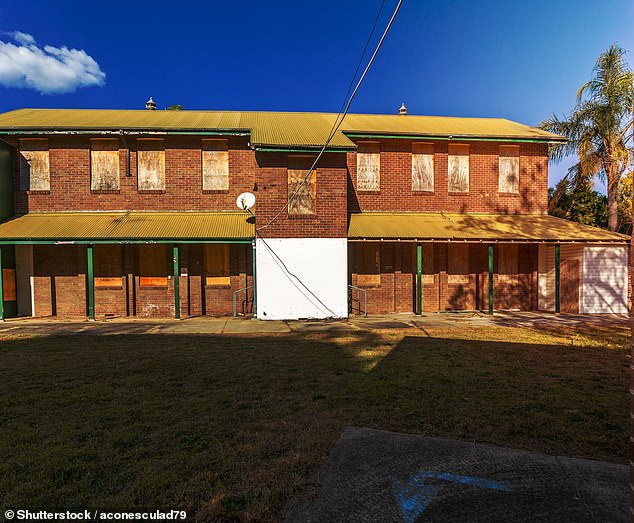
{"points": [[126, 264], [420, 262]]}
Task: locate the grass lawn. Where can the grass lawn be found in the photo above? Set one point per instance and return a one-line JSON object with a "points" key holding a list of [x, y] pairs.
{"points": [[236, 428]]}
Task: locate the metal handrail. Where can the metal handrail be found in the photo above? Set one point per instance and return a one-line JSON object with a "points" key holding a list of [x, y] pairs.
{"points": [[235, 312], [352, 288]]}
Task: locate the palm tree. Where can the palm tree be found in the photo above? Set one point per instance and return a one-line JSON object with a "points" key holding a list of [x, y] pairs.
{"points": [[599, 128]]}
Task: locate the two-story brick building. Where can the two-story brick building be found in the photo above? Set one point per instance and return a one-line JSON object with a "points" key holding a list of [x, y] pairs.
{"points": [[133, 213]]}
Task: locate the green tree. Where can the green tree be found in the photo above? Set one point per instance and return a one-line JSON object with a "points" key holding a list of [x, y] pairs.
{"points": [[174, 108], [599, 128], [625, 204], [579, 203]]}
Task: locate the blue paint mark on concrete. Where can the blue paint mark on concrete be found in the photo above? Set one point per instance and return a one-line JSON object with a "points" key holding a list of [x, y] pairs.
{"points": [[464, 480], [415, 496], [414, 499]]}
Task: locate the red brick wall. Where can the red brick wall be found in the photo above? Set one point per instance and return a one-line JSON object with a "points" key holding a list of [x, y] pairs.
{"points": [[70, 179], [330, 219], [266, 173], [60, 285], [396, 181]]}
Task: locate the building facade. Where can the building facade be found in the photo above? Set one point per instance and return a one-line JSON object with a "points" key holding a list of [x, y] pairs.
{"points": [[133, 213]]}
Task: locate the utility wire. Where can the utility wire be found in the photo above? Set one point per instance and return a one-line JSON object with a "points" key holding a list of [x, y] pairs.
{"points": [[340, 116]]}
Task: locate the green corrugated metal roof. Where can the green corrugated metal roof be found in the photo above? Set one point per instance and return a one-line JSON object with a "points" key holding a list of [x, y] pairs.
{"points": [[128, 226], [272, 129], [474, 227]]}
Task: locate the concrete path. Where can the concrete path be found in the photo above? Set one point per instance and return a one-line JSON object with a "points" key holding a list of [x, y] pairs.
{"points": [[377, 476], [210, 325]]}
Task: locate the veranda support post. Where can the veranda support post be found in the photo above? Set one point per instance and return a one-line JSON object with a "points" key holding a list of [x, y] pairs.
{"points": [[491, 278], [90, 283]]}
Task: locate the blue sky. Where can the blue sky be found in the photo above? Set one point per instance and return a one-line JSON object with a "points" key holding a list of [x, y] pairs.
{"points": [[511, 59]]}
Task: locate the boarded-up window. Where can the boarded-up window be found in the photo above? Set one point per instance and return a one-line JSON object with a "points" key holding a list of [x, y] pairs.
{"points": [[151, 165], [34, 165], [303, 201], [458, 168], [369, 166], [428, 263], [509, 179], [104, 165], [217, 264], [423, 167], [458, 263], [215, 165], [368, 264], [507, 263], [153, 265], [8, 285], [108, 266]]}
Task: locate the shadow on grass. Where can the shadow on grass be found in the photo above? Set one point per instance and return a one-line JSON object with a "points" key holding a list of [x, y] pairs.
{"points": [[234, 428]]}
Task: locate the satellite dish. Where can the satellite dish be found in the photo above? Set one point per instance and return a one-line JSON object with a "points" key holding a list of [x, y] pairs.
{"points": [[245, 201]]}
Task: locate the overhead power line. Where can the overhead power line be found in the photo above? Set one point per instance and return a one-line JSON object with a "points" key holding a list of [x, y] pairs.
{"points": [[341, 115]]}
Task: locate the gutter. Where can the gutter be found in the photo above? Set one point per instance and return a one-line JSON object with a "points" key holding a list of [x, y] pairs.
{"points": [[293, 149], [116, 132], [468, 138]]}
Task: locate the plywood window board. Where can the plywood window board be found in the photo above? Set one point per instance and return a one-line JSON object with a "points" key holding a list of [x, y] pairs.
{"points": [[368, 264], [108, 266], [458, 263], [302, 202], [458, 168], [509, 169], [34, 165], [104, 165], [153, 265], [428, 269], [215, 165], [8, 285], [217, 264], [369, 166], [508, 263], [423, 167], [150, 165]]}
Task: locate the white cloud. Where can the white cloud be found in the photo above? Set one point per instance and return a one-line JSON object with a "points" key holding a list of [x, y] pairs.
{"points": [[47, 69]]}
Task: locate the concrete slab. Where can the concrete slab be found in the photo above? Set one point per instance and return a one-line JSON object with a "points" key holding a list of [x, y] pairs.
{"points": [[194, 326], [212, 325], [240, 326], [381, 476], [332, 326]]}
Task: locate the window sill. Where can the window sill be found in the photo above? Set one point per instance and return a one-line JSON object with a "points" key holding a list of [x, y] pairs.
{"points": [[509, 194], [422, 193], [108, 287], [150, 288], [302, 216], [361, 191], [36, 192], [213, 286], [151, 191], [456, 193], [215, 191], [105, 191]]}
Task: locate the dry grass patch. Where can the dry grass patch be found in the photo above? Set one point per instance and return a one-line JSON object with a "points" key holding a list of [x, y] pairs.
{"points": [[234, 427]]}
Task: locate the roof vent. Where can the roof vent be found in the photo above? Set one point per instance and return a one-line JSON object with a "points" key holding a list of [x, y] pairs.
{"points": [[150, 105], [403, 109]]}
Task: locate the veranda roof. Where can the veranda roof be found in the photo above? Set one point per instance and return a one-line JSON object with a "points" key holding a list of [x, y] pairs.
{"points": [[115, 227], [474, 227]]}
